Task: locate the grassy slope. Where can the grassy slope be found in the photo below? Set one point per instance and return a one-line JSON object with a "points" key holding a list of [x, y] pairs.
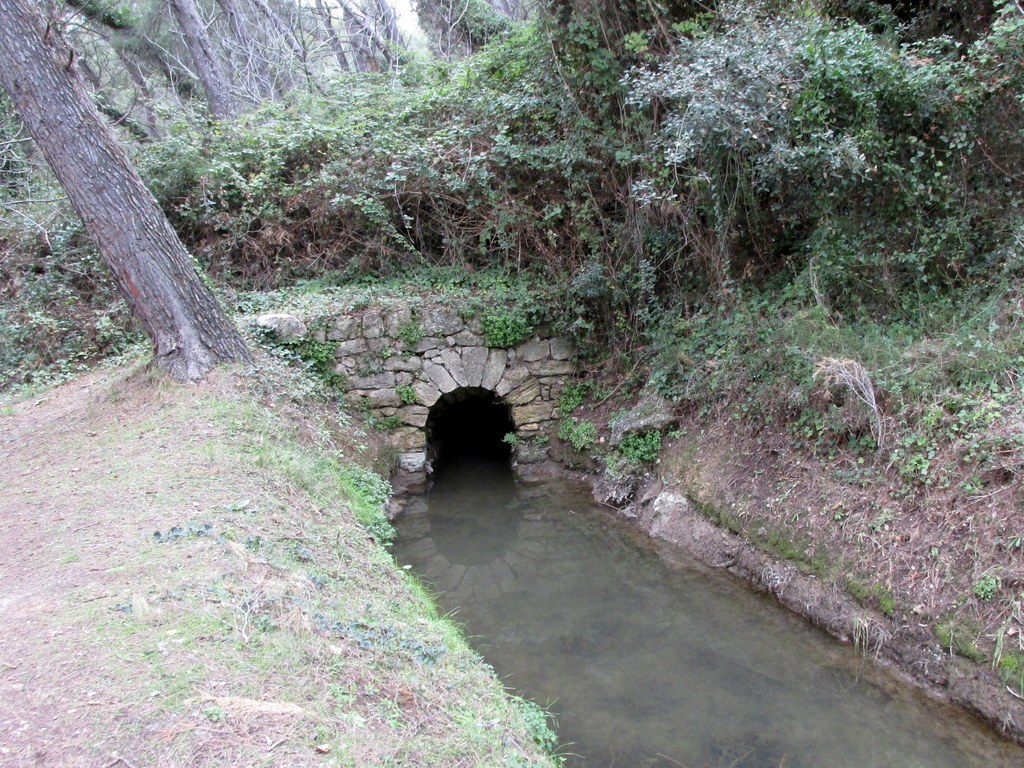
{"points": [[283, 634]]}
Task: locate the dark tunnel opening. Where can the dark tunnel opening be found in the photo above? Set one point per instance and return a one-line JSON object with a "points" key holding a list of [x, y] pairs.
{"points": [[469, 423]]}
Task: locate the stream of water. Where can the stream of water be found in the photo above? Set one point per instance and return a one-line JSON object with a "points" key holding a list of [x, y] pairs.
{"points": [[650, 659]]}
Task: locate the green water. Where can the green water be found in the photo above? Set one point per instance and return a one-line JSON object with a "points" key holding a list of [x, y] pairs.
{"points": [[650, 659]]}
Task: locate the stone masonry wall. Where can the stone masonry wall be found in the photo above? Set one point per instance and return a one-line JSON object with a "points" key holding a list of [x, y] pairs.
{"points": [[399, 361]]}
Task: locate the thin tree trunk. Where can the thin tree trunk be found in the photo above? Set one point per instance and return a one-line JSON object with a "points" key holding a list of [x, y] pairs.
{"points": [[332, 35], [154, 272], [206, 60], [252, 50], [279, 27], [144, 96], [362, 32]]}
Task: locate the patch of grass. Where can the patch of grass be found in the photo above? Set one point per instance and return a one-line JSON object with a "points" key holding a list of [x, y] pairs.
{"points": [[195, 621], [1011, 670], [958, 635], [875, 593]]}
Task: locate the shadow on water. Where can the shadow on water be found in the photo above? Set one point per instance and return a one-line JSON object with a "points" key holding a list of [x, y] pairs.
{"points": [[651, 659]]}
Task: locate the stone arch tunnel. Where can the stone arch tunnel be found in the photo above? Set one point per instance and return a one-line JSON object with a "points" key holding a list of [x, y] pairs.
{"points": [[423, 372], [468, 421]]}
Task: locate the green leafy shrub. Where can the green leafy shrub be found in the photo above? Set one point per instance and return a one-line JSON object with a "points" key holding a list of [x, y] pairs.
{"points": [[985, 587], [572, 397], [505, 328], [641, 448], [580, 434], [539, 726]]}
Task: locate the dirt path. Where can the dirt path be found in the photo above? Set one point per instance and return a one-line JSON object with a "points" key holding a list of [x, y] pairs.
{"points": [[203, 647], [89, 471]]}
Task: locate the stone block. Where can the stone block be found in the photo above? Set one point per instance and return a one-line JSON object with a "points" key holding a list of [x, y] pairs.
{"points": [[414, 415], [426, 393], [408, 439], [429, 344], [412, 461], [669, 516], [402, 363], [513, 376], [532, 351], [381, 398], [442, 321], [452, 361], [350, 347], [440, 377], [395, 319], [494, 368], [345, 327], [530, 453], [533, 413], [562, 349], [474, 363], [551, 367], [468, 339], [383, 380], [373, 324], [284, 326], [525, 393], [652, 412]]}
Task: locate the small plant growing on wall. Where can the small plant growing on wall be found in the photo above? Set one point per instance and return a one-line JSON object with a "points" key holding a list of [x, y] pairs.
{"points": [[410, 333], [406, 394]]}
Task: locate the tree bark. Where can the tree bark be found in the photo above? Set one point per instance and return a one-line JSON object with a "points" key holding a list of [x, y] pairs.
{"points": [[153, 271], [332, 35], [207, 62]]}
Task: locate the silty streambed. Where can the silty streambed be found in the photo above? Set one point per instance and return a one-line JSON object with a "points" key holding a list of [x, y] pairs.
{"points": [[650, 659]]}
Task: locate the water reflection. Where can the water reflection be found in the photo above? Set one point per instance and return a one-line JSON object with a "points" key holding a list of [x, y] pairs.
{"points": [[650, 659]]}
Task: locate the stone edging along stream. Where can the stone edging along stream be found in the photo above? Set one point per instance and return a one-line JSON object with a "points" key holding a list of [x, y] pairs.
{"points": [[665, 511]]}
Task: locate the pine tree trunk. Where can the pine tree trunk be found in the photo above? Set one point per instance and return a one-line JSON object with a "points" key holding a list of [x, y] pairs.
{"points": [[209, 70], [154, 272]]}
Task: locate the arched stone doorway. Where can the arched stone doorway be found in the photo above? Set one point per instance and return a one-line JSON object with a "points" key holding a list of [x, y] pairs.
{"points": [[468, 421]]}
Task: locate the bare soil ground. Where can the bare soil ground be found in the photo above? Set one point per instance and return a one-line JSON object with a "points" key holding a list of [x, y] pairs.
{"points": [[182, 585]]}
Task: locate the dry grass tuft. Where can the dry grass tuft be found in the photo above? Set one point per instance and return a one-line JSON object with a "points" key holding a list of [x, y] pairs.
{"points": [[854, 377], [241, 707]]}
